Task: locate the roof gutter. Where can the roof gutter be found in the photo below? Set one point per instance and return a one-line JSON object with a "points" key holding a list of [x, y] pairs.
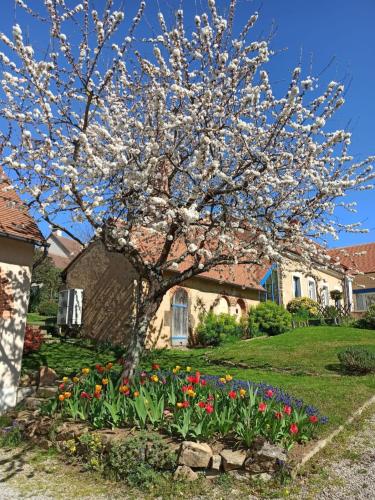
{"points": [[25, 240]]}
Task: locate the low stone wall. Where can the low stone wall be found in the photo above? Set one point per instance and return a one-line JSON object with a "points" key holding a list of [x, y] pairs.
{"points": [[262, 460]]}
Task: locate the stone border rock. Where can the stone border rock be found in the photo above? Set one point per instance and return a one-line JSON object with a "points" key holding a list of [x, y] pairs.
{"points": [[263, 460], [322, 443]]}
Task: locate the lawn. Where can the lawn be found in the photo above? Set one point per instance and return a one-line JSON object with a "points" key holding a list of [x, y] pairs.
{"points": [[302, 362], [36, 319]]}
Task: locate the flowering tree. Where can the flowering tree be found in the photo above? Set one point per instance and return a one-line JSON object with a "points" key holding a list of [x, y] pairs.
{"points": [[183, 160]]}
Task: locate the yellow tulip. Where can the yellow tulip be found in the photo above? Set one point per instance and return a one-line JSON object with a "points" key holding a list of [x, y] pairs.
{"points": [[85, 371], [228, 377], [188, 368], [61, 397], [136, 394], [67, 395], [65, 380], [179, 405], [98, 388], [75, 380], [222, 380], [104, 381], [154, 378], [242, 393]]}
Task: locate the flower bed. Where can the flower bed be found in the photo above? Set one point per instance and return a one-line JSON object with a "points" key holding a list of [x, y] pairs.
{"points": [[186, 405]]}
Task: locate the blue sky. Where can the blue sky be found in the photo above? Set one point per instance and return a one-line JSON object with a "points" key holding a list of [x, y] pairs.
{"points": [[337, 33]]}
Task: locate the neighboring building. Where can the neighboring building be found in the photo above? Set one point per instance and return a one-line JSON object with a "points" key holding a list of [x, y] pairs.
{"points": [[107, 282], [62, 250], [360, 259], [18, 235]]}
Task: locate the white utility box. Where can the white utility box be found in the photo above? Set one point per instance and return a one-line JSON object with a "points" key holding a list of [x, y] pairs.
{"points": [[70, 307]]}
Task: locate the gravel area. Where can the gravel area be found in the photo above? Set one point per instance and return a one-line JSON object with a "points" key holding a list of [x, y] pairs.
{"points": [[352, 475]]}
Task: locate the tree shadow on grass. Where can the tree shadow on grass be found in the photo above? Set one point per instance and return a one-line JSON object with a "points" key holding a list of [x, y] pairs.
{"points": [[337, 368]]}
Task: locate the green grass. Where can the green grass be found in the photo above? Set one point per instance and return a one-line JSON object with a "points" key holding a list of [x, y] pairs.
{"points": [[66, 358], [302, 362], [36, 319]]}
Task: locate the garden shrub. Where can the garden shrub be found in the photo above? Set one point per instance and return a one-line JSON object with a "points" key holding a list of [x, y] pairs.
{"points": [[139, 459], [303, 305], [368, 320], [48, 308], [330, 313], [215, 328], [357, 360], [336, 295], [33, 339], [271, 318]]}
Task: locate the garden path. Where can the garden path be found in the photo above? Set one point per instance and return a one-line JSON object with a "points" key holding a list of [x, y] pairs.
{"points": [[347, 471]]}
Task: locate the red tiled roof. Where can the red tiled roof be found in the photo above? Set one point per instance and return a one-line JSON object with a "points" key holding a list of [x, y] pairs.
{"points": [[71, 246], [358, 258], [243, 275], [15, 219], [59, 261]]}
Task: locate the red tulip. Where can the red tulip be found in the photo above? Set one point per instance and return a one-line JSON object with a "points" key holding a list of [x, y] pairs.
{"points": [[293, 428], [278, 415], [209, 409], [313, 419], [232, 394], [287, 410], [262, 407], [269, 393], [202, 404]]}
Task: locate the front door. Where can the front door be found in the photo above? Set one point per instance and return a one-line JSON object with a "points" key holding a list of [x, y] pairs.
{"points": [[180, 318]]}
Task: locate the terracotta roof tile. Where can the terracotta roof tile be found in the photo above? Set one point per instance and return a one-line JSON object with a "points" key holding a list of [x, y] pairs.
{"points": [[72, 247], [59, 261], [358, 258], [15, 219]]}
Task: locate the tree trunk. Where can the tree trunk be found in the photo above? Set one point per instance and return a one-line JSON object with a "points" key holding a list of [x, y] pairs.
{"points": [[145, 315]]}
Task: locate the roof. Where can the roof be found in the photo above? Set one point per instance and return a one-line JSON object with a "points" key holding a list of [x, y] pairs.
{"points": [[358, 258], [59, 261], [15, 219], [241, 275], [71, 248]]}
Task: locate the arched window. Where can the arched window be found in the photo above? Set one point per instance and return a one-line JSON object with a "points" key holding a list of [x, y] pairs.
{"points": [[240, 309], [221, 305], [180, 318]]}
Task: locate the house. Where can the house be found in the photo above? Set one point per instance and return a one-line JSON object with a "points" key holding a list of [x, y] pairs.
{"points": [[19, 234], [62, 250], [360, 259], [108, 294]]}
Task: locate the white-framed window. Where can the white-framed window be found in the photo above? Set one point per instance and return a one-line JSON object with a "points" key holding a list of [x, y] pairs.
{"points": [[325, 295], [296, 286], [312, 289], [364, 300]]}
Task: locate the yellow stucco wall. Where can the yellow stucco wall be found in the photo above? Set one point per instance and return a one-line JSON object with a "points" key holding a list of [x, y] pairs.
{"points": [[15, 271], [202, 295], [322, 278]]}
